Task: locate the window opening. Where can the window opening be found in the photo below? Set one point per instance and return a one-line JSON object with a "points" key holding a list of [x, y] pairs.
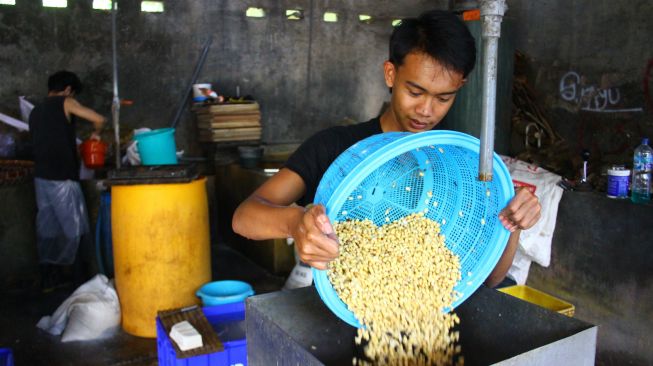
{"points": [[152, 6], [294, 14], [330, 17], [364, 18], [255, 12], [102, 4], [55, 3]]}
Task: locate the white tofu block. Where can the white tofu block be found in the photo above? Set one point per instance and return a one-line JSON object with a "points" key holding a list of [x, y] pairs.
{"points": [[186, 336]]}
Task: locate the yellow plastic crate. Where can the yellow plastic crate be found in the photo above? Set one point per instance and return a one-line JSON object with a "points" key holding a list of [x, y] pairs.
{"points": [[540, 298]]}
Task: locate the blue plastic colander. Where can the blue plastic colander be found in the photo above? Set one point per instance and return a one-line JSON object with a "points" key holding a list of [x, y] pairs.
{"points": [[395, 174]]}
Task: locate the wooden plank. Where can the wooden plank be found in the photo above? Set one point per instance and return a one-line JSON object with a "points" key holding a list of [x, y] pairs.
{"points": [[227, 132], [233, 134], [241, 138], [232, 108], [229, 117], [246, 114], [232, 124]]}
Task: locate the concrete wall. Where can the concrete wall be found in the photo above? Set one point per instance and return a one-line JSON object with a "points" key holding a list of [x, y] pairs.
{"points": [[587, 66], [588, 62], [307, 74], [601, 262]]}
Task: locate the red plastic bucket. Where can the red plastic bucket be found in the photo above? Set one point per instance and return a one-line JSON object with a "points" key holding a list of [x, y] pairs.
{"points": [[93, 152]]}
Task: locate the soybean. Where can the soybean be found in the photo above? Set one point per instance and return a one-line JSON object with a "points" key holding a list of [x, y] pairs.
{"points": [[398, 280]]}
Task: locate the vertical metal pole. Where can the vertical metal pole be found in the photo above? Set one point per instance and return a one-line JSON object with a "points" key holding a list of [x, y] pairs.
{"points": [[491, 16], [115, 105], [193, 80]]}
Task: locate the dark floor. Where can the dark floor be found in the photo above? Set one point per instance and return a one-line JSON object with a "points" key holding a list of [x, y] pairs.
{"points": [[21, 310]]}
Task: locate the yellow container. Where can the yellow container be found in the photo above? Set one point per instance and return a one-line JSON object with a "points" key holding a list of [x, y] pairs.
{"points": [[539, 298], [161, 249]]}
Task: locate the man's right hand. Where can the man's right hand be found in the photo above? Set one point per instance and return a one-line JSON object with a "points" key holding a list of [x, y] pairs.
{"points": [[315, 239]]}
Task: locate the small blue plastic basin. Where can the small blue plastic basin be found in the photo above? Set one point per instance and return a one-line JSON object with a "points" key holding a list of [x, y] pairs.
{"points": [[224, 292]]}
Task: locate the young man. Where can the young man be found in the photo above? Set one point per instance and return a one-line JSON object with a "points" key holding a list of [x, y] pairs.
{"points": [[61, 219], [430, 57]]}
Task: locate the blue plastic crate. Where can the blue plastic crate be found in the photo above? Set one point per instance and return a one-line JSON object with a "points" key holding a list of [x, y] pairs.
{"points": [[6, 357], [228, 321]]}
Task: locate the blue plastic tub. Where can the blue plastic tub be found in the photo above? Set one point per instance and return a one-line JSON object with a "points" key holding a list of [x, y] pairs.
{"points": [[224, 292], [229, 323], [6, 357], [157, 147]]}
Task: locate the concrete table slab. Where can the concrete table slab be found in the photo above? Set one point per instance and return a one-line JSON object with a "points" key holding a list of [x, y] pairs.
{"points": [[296, 328]]}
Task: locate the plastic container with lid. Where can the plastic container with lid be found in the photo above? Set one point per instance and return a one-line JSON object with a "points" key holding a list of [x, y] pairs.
{"points": [[618, 182]]}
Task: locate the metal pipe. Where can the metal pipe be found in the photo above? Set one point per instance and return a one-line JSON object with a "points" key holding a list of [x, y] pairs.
{"points": [[193, 79], [491, 16], [115, 105]]}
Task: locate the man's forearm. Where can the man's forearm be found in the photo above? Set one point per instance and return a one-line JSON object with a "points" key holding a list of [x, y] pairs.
{"points": [[502, 267], [259, 220]]}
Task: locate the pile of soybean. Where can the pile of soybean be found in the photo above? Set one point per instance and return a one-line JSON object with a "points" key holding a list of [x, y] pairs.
{"points": [[398, 279]]}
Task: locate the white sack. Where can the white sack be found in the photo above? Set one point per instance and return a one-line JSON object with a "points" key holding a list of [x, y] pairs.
{"points": [[535, 243], [91, 312]]}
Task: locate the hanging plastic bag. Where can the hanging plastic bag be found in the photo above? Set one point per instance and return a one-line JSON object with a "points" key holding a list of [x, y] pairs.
{"points": [[132, 157], [61, 220]]}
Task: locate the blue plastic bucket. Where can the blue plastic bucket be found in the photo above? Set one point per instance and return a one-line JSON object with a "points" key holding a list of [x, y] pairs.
{"points": [[224, 292], [157, 147]]}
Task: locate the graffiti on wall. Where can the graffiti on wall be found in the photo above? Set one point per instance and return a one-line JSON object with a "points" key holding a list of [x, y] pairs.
{"points": [[590, 97]]}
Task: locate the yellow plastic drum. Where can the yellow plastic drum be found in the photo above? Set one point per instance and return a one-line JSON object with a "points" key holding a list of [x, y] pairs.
{"points": [[161, 249]]}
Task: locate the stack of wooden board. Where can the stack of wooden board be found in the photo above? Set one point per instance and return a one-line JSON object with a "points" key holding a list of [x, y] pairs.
{"points": [[229, 122]]}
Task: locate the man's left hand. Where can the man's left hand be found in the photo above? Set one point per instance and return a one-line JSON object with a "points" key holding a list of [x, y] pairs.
{"points": [[522, 212]]}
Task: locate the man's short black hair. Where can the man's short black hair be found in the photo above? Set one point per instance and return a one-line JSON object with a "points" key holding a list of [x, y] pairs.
{"points": [[438, 33], [61, 79]]}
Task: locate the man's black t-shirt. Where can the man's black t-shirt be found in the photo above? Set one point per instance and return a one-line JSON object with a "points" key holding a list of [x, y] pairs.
{"points": [[53, 140], [315, 155]]}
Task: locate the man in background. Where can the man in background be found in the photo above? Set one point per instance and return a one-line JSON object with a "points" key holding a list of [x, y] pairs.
{"points": [[62, 219]]}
